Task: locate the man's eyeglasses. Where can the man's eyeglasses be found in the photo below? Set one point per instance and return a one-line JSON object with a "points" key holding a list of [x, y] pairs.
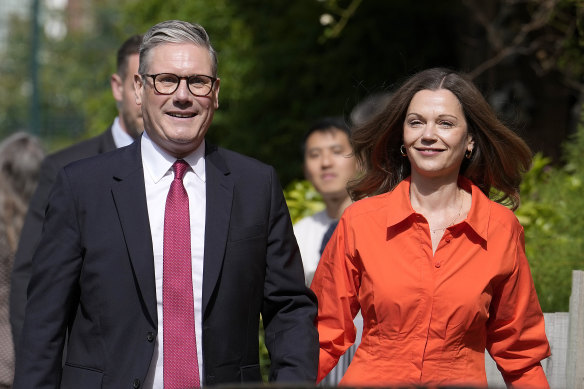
{"points": [[167, 83]]}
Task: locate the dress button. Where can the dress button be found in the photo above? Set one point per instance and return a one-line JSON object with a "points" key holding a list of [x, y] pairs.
{"points": [[437, 264], [136, 383], [150, 337]]}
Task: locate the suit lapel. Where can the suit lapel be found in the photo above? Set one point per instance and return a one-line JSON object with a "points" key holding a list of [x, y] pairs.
{"points": [[219, 198], [129, 195]]}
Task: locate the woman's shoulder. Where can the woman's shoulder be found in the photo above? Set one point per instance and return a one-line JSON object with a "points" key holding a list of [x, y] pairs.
{"points": [[503, 217], [395, 201], [367, 205], [501, 211], [489, 208]]}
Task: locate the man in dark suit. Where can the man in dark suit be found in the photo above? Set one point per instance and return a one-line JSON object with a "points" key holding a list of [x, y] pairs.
{"points": [[126, 127], [160, 257]]}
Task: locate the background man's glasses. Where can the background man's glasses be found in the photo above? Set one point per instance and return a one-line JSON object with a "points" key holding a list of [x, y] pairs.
{"points": [[167, 83]]}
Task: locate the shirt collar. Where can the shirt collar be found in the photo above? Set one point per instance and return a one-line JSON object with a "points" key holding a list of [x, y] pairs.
{"points": [[477, 218], [480, 210], [121, 137], [400, 196], [158, 162]]}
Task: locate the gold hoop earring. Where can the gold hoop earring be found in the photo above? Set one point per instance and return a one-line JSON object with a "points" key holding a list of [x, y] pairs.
{"points": [[468, 154], [402, 150]]}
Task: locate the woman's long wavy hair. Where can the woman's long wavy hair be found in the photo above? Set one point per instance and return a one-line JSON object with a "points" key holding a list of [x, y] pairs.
{"points": [[498, 161]]}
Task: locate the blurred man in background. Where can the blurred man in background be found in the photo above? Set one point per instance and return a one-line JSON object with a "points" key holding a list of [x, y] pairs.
{"points": [[328, 165], [127, 126]]}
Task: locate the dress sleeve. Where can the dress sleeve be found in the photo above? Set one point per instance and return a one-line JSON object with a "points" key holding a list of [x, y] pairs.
{"points": [[336, 284], [516, 336]]}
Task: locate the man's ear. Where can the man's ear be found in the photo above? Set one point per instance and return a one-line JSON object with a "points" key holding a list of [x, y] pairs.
{"points": [[117, 85], [216, 93], [138, 88]]}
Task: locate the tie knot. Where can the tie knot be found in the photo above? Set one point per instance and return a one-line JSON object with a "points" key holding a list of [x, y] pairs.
{"points": [[180, 167]]}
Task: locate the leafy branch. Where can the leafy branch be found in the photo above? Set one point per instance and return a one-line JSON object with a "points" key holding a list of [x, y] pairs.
{"points": [[335, 27]]}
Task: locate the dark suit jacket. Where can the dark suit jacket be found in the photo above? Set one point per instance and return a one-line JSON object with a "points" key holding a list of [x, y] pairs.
{"points": [[94, 272], [31, 230]]}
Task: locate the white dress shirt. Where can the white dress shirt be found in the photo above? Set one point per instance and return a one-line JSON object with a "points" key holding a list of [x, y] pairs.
{"points": [[158, 176], [121, 137], [309, 232]]}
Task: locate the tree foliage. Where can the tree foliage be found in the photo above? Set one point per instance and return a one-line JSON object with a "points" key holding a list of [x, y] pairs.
{"points": [[552, 213], [547, 33], [15, 86], [284, 64], [75, 96], [302, 199]]}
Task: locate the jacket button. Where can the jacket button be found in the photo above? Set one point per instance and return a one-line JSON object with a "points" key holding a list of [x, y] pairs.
{"points": [[150, 337], [136, 383], [437, 265]]}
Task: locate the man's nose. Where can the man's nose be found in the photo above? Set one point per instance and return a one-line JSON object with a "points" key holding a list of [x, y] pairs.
{"points": [[326, 159], [182, 92]]}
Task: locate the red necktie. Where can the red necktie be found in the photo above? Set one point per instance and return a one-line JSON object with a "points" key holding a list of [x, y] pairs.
{"points": [[181, 369]]}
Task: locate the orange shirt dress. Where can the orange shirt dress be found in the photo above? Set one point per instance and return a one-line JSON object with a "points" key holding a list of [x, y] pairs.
{"points": [[429, 318]]}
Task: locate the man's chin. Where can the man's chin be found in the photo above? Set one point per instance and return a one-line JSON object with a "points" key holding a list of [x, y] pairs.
{"points": [[336, 193], [181, 147]]}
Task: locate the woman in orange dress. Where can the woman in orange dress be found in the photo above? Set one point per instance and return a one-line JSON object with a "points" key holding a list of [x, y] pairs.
{"points": [[437, 268]]}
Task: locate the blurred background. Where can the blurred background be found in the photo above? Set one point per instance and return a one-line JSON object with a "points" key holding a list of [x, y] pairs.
{"points": [[284, 64]]}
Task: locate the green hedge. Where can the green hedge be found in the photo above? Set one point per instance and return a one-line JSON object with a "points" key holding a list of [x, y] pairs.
{"points": [[552, 214]]}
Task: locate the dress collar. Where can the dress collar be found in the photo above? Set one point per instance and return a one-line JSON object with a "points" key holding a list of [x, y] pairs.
{"points": [[477, 218]]}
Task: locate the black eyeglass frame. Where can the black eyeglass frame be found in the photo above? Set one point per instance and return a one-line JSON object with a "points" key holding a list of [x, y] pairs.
{"points": [[153, 76]]}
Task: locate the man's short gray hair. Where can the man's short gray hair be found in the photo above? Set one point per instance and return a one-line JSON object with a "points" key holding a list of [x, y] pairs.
{"points": [[175, 31]]}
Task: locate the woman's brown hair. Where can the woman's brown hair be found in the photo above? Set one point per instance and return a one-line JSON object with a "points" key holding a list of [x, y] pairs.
{"points": [[498, 161]]}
